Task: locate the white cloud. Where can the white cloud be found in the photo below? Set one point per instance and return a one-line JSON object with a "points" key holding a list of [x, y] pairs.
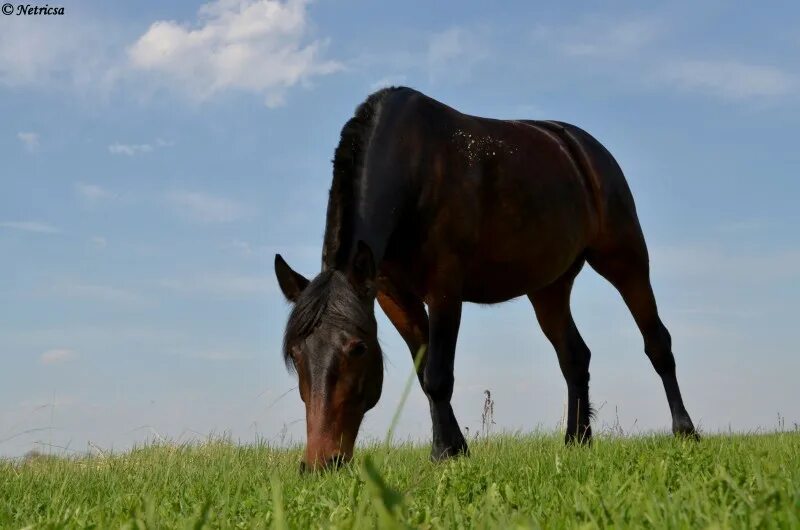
{"points": [[219, 355], [608, 39], [93, 192], [446, 46], [743, 226], [137, 149], [391, 80], [631, 43], [257, 46], [245, 248], [30, 140], [224, 285], [452, 53], [57, 356], [207, 208], [728, 79], [302, 253], [129, 149], [264, 47], [102, 293], [30, 226], [46, 52]]}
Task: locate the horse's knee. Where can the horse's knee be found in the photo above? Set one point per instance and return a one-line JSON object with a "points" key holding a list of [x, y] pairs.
{"points": [[438, 384]]}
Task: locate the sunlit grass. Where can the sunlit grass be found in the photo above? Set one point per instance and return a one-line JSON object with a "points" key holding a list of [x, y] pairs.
{"points": [[744, 481]]}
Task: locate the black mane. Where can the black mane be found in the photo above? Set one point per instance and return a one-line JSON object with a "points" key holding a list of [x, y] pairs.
{"points": [[348, 161], [328, 298]]}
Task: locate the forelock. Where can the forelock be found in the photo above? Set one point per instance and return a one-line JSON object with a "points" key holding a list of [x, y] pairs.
{"points": [[330, 299]]}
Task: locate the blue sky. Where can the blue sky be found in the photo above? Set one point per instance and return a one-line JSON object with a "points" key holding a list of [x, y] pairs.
{"points": [[155, 156]]}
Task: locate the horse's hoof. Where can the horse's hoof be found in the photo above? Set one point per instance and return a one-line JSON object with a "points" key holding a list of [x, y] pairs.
{"points": [[582, 438], [689, 434], [441, 452], [685, 429]]}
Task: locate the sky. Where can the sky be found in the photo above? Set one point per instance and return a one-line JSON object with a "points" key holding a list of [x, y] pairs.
{"points": [[154, 156]]}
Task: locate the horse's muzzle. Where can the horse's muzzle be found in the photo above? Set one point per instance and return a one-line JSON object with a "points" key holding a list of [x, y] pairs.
{"points": [[331, 463]]}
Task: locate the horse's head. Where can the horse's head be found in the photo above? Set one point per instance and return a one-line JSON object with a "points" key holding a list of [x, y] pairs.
{"points": [[331, 342]]}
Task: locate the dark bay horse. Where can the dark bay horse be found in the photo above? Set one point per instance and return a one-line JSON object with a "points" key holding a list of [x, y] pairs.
{"points": [[432, 207]]}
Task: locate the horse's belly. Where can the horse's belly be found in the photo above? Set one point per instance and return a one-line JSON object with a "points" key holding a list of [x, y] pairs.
{"points": [[491, 282], [490, 289], [532, 227]]}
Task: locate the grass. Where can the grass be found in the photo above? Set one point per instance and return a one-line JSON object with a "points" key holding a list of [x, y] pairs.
{"points": [[724, 481]]}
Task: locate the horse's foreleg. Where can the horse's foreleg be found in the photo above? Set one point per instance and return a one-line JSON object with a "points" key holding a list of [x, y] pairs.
{"points": [[627, 269], [438, 379], [407, 313], [555, 318]]}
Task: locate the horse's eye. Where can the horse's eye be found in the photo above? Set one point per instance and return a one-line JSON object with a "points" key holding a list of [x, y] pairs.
{"points": [[358, 349], [294, 353]]}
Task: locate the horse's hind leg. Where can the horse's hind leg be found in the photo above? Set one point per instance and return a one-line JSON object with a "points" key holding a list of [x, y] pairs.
{"points": [[626, 265], [555, 318]]}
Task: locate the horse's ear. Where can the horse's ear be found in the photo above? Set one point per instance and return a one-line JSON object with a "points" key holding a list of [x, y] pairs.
{"points": [[363, 270], [291, 282]]}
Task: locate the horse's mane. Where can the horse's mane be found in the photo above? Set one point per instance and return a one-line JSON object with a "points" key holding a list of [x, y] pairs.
{"points": [[348, 163], [329, 297]]}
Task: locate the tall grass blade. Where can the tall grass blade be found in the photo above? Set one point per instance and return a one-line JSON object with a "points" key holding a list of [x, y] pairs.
{"points": [[278, 514], [399, 410]]}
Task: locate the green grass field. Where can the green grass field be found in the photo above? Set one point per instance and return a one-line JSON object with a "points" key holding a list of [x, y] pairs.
{"points": [[736, 481]]}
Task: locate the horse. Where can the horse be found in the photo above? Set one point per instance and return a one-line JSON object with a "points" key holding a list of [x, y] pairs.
{"points": [[429, 207]]}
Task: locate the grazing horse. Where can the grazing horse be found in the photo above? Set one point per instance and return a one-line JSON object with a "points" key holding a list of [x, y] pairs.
{"points": [[432, 207]]}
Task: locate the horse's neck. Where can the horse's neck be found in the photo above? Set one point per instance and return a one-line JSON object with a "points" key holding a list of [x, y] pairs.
{"points": [[375, 217], [377, 221]]}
